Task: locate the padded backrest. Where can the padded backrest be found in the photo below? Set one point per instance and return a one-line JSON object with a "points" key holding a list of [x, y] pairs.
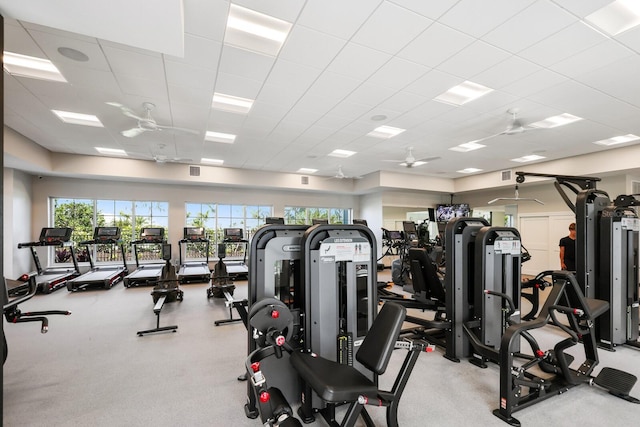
{"points": [[377, 346], [424, 273]]}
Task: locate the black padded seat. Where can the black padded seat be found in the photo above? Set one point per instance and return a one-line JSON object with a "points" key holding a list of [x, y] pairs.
{"points": [[335, 383], [596, 307], [331, 381]]}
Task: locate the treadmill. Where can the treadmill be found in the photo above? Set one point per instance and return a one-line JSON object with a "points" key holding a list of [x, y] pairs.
{"points": [[236, 268], [196, 270], [150, 272], [49, 279], [105, 275]]}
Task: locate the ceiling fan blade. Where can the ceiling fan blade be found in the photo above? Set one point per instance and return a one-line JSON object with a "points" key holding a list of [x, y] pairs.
{"points": [[428, 159], [125, 110], [173, 128], [133, 132]]}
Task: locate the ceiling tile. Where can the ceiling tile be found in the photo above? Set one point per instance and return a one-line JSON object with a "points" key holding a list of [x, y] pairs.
{"points": [[427, 49], [390, 28], [464, 15], [473, 60], [357, 61], [525, 28], [337, 18], [297, 47]]}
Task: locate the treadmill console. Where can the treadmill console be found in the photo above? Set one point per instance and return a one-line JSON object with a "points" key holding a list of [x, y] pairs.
{"points": [[55, 236], [194, 234], [152, 235], [106, 234], [233, 235]]}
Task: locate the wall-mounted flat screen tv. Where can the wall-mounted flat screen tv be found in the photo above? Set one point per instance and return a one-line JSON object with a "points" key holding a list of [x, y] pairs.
{"points": [[444, 213]]}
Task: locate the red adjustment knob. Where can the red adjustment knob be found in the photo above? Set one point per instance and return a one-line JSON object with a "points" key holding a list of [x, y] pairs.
{"points": [[539, 353], [280, 340], [264, 397], [537, 285], [255, 366], [275, 314]]}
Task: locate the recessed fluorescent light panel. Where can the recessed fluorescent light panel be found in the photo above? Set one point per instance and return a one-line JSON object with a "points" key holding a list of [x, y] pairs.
{"points": [[341, 153], [225, 138], [529, 158], [461, 94], [234, 104], [211, 161], [469, 170], [385, 132], [78, 118], [255, 31], [32, 67], [111, 151], [617, 140], [616, 17], [467, 146], [555, 121], [307, 170]]}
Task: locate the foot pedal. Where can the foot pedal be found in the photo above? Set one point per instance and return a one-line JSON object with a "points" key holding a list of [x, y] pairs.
{"points": [[617, 382]]}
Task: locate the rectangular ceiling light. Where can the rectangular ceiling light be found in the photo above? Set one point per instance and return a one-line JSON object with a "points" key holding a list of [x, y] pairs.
{"points": [[255, 31], [616, 17], [234, 104], [463, 93], [617, 140], [385, 132], [469, 170], [225, 138], [341, 153], [529, 158], [32, 67], [467, 146], [211, 161], [111, 151], [307, 170], [555, 121], [78, 118]]}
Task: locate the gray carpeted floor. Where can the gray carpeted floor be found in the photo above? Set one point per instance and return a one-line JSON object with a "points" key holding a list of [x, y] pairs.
{"points": [[91, 369]]}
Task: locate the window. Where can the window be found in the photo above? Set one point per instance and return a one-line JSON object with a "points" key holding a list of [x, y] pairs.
{"points": [[83, 215], [216, 217], [301, 215]]}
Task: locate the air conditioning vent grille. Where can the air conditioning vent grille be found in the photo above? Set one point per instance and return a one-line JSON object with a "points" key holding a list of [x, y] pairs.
{"points": [[194, 170], [505, 175]]}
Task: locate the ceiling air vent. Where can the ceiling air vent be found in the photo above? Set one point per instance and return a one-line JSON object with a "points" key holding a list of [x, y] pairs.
{"points": [[194, 170], [304, 180], [505, 175]]}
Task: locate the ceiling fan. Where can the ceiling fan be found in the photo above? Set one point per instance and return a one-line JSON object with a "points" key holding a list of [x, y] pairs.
{"points": [[341, 175], [515, 127], [516, 199], [146, 123], [162, 158], [410, 161]]}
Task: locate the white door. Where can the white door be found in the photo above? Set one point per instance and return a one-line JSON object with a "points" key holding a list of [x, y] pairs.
{"points": [[540, 234]]}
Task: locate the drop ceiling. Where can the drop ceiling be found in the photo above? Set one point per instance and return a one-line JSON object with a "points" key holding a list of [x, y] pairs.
{"points": [[345, 68]]}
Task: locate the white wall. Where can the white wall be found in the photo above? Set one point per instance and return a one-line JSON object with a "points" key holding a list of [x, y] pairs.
{"points": [[16, 223]]}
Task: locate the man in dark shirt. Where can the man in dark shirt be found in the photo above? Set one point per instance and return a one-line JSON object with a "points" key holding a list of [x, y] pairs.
{"points": [[568, 249]]}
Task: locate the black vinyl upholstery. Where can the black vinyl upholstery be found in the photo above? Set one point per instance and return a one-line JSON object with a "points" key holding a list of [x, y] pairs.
{"points": [[334, 382]]}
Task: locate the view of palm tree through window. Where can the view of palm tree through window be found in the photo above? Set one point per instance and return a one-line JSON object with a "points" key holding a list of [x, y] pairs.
{"points": [[83, 215]]}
